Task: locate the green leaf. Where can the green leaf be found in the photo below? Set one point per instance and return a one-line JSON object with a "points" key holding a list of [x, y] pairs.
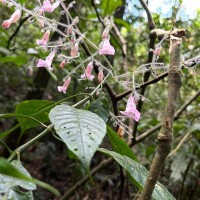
{"points": [[16, 194], [101, 108], [123, 23], [81, 130], [38, 109], [13, 174], [119, 145], [109, 6], [139, 173], [18, 60]]}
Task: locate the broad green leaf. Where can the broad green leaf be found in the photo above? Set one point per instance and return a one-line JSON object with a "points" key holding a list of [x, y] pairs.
{"points": [[109, 6], [100, 107], [139, 173], [122, 148], [119, 145], [38, 109], [14, 174], [81, 130]]}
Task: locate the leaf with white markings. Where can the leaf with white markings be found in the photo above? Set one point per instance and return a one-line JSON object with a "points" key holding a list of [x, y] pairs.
{"points": [[81, 130], [139, 173]]}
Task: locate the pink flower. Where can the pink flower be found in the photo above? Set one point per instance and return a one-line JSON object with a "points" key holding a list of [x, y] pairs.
{"points": [[88, 71], [48, 7], [14, 18], [157, 51], [100, 76], [131, 111], [74, 50], [47, 62], [63, 63], [106, 48], [65, 86], [44, 39]]}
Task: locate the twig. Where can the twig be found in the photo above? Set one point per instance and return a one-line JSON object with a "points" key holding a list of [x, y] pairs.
{"points": [[188, 63], [152, 39], [192, 62], [179, 145], [165, 135], [149, 16], [121, 38], [6, 146], [23, 147], [155, 80], [182, 108], [17, 30]]}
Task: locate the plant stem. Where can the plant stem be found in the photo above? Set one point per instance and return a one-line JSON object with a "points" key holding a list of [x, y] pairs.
{"points": [[23, 147], [165, 135]]}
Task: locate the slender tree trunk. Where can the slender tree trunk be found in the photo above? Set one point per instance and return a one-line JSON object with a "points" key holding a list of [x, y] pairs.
{"points": [[165, 135]]}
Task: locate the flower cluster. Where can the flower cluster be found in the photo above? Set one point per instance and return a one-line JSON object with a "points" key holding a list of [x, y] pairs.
{"points": [[48, 6]]}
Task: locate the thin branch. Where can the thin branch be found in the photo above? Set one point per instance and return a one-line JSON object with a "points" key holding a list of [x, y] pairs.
{"points": [[192, 62], [6, 146], [121, 38], [155, 80], [17, 30], [188, 63], [179, 145], [149, 16], [187, 103], [23, 147], [152, 39]]}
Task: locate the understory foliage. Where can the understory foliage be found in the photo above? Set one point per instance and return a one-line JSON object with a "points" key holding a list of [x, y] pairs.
{"points": [[84, 93]]}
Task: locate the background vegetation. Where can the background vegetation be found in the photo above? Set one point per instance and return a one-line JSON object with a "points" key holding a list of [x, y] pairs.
{"points": [[48, 159]]}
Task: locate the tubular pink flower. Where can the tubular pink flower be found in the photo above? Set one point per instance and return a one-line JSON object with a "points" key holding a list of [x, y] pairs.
{"points": [[106, 48], [88, 71], [65, 86], [63, 63], [44, 39], [74, 50], [100, 76], [131, 111], [47, 62], [48, 7], [14, 18]]}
